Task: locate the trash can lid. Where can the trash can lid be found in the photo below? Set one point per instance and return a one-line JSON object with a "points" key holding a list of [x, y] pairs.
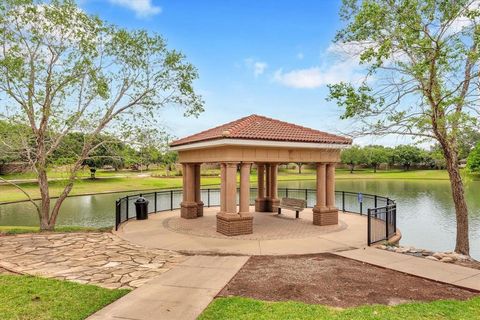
{"points": [[141, 200]]}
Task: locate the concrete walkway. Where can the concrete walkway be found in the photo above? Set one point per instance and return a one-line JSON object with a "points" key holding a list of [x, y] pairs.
{"points": [[181, 293], [438, 271]]}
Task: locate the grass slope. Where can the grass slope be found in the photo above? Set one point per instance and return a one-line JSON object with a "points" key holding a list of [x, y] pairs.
{"points": [[249, 309], [10, 230], [34, 298], [117, 184]]}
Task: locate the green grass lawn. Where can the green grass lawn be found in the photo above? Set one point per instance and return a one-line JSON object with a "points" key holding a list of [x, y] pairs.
{"points": [[132, 182], [248, 309], [34, 298], [11, 230]]}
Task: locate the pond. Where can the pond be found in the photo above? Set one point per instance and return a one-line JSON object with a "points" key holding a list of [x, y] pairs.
{"points": [[425, 213]]}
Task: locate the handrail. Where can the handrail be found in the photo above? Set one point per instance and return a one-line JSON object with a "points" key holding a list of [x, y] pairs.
{"points": [[381, 211]]}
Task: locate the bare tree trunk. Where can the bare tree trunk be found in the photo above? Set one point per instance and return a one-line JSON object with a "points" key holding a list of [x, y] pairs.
{"points": [[44, 211], [300, 168], [461, 210], [352, 166]]}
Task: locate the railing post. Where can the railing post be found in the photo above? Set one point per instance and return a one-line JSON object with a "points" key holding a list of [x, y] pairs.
{"points": [[155, 195], [375, 200], [171, 200], [361, 208], [208, 197], [395, 218], [117, 215], [126, 213], [343, 201], [386, 222], [306, 196], [369, 226]]}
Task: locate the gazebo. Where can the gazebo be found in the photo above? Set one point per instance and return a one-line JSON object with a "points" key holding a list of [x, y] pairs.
{"points": [[267, 143]]}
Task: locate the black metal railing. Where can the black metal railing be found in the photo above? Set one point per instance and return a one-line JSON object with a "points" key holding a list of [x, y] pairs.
{"points": [[382, 223], [381, 211]]}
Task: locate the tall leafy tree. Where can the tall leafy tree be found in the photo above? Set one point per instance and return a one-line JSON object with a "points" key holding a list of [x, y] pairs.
{"points": [[63, 71], [353, 156], [375, 156], [422, 79], [473, 160], [408, 155]]}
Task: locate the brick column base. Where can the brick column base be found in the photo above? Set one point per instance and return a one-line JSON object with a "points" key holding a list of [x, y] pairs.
{"points": [[188, 210], [260, 205], [325, 216], [200, 209], [234, 224]]}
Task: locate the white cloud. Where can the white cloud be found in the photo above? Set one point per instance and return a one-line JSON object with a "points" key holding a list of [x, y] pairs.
{"points": [[142, 8], [300, 56], [258, 67], [342, 67]]}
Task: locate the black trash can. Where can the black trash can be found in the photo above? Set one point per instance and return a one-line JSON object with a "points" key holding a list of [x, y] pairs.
{"points": [[141, 208]]}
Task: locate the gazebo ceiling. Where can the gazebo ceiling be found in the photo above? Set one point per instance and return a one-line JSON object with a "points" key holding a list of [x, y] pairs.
{"points": [[256, 130]]}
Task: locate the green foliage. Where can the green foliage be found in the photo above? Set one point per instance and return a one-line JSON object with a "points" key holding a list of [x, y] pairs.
{"points": [[408, 155], [353, 156], [473, 160], [375, 156], [237, 308], [35, 298]]}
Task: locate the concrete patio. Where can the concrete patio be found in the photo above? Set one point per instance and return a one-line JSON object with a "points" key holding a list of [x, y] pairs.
{"points": [[272, 234]]}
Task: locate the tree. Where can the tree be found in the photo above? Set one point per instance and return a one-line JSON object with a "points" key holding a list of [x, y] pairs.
{"points": [[375, 156], [299, 166], [473, 160], [64, 71], [467, 140], [353, 156], [408, 155], [437, 157], [151, 144], [422, 76]]}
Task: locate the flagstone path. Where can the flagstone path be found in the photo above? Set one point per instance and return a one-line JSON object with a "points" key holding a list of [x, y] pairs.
{"points": [[97, 258]]}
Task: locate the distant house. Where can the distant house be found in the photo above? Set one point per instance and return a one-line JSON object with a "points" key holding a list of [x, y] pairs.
{"points": [[462, 163]]}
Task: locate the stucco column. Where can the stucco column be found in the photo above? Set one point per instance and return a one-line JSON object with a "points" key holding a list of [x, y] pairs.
{"points": [[198, 197], [189, 206], [223, 186], [230, 222], [274, 201], [321, 185], [267, 181], [244, 188], [325, 213], [231, 188], [184, 182], [331, 186], [260, 200]]}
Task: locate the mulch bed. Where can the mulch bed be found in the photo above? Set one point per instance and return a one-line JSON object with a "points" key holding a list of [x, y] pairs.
{"points": [[335, 281]]}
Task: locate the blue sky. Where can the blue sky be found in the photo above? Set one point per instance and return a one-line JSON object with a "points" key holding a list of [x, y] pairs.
{"points": [[268, 57]]}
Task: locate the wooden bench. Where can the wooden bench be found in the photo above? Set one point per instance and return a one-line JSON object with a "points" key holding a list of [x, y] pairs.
{"points": [[296, 205]]}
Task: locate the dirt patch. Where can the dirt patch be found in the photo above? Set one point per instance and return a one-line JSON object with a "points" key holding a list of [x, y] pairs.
{"points": [[332, 280]]}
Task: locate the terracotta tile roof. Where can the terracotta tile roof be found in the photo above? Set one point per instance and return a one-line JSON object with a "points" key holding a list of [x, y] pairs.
{"points": [[255, 127]]}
